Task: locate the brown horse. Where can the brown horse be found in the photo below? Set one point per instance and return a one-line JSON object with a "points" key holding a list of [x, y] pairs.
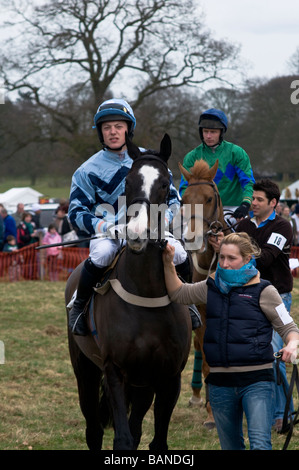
{"points": [[201, 189], [140, 341]]}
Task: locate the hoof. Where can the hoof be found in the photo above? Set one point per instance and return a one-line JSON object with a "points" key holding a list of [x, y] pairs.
{"points": [[195, 401], [209, 425]]}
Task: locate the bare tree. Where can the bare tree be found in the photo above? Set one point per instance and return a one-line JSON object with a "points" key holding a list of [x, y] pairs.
{"points": [[293, 62], [69, 55], [145, 45], [269, 129]]}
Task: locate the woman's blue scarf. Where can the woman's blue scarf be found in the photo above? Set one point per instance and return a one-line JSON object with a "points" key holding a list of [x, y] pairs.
{"points": [[226, 279]]}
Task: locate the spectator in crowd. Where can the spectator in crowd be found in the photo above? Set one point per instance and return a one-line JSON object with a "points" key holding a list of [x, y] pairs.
{"points": [[295, 217], [279, 208], [10, 244], [62, 222], [19, 212], [36, 212], [1, 232], [54, 253], [15, 261], [26, 234], [10, 227], [286, 214]]}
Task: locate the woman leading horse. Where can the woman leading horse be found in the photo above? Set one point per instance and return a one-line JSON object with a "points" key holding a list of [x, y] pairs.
{"points": [[202, 190]]}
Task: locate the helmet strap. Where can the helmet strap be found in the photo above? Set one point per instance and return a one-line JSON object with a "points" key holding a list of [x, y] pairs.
{"points": [[113, 150]]}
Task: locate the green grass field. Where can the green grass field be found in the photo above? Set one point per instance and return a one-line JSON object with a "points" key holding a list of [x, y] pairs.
{"points": [[50, 187], [39, 407]]}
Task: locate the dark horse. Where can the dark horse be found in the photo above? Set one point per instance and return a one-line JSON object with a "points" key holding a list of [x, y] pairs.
{"points": [[201, 189], [143, 340]]}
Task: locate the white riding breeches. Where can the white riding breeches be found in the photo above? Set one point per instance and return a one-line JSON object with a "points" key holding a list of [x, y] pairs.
{"points": [[102, 251]]}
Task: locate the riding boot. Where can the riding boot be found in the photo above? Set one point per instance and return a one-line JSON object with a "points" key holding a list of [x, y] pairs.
{"points": [[185, 274], [89, 277]]}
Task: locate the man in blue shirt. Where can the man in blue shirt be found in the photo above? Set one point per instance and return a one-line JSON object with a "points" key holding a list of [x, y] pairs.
{"points": [[10, 227], [1, 232], [274, 236]]}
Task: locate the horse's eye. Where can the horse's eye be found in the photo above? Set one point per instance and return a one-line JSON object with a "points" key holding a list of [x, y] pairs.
{"points": [[164, 184], [210, 199]]}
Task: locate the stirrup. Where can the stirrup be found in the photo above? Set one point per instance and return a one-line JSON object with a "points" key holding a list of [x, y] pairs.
{"points": [[79, 328], [195, 317]]}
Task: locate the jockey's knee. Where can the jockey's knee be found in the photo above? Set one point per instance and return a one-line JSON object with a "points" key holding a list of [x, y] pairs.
{"points": [[103, 251]]}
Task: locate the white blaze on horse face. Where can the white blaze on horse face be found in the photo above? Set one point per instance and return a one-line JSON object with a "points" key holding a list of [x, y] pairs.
{"points": [[140, 223]]}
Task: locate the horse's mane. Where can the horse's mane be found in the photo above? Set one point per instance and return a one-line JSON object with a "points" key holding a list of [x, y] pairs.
{"points": [[201, 170]]}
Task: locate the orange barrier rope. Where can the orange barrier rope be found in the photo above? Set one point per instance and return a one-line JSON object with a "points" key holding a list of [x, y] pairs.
{"points": [[30, 264]]}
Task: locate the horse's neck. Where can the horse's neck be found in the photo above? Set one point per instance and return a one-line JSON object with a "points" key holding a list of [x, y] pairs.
{"points": [[142, 274]]}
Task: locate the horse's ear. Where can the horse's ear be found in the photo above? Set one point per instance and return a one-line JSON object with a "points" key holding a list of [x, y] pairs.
{"points": [[213, 169], [165, 147], [133, 150], [184, 172]]}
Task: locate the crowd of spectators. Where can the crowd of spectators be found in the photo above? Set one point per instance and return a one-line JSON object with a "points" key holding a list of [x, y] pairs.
{"points": [[23, 228], [292, 215]]}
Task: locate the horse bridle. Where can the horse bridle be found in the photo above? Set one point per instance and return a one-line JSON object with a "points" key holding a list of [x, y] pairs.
{"points": [[215, 226], [160, 243]]}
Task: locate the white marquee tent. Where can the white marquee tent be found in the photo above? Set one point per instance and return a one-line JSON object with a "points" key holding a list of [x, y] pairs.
{"points": [[13, 196], [291, 191]]}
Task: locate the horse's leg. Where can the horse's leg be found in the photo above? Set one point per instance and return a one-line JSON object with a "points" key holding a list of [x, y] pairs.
{"points": [[141, 399], [167, 394], [196, 383], [88, 377], [123, 439], [209, 422]]}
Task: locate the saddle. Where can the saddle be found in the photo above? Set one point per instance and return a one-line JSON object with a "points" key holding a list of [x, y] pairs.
{"points": [[103, 285]]}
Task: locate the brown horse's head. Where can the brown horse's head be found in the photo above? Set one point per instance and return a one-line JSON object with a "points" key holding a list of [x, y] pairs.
{"points": [[202, 205]]}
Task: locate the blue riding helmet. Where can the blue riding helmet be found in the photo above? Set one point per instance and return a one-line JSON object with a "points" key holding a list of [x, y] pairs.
{"points": [[115, 110], [213, 119]]}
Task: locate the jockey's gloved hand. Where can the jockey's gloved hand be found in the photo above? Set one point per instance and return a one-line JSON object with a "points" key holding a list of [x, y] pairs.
{"points": [[116, 231], [242, 210]]}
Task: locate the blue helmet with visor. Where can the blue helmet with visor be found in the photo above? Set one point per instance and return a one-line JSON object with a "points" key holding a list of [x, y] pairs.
{"points": [[114, 110], [213, 119]]}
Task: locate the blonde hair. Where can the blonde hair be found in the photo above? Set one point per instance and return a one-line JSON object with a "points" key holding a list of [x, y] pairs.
{"points": [[246, 245]]}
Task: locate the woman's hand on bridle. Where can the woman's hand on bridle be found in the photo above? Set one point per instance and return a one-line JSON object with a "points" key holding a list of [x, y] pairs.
{"points": [[168, 254], [215, 241]]}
